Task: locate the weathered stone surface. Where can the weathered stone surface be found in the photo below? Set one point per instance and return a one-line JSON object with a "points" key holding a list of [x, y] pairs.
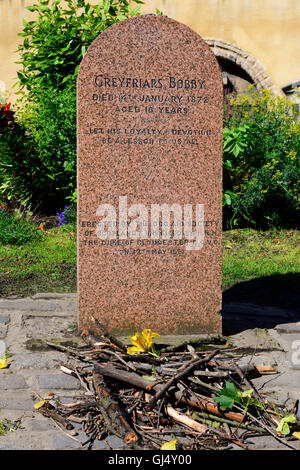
{"points": [[18, 400], [58, 381], [37, 360], [150, 133], [288, 328], [3, 331], [4, 319], [12, 382], [26, 304]]}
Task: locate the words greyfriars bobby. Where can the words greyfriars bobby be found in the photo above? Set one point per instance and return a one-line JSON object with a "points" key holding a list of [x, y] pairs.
{"points": [[149, 125]]}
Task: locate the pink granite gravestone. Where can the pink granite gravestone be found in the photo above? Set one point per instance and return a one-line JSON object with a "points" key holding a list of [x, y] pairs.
{"points": [[150, 106]]}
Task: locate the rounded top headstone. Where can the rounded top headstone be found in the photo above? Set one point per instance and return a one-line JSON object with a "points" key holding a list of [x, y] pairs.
{"points": [[149, 115]]}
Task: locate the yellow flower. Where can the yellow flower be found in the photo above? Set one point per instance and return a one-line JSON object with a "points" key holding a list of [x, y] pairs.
{"points": [[171, 445], [41, 404], [142, 342], [4, 362]]}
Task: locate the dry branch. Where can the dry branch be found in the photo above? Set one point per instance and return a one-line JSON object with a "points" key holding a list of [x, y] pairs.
{"points": [[186, 420], [113, 415]]}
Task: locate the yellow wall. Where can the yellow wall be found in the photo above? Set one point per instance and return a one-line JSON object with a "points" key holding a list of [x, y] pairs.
{"points": [[268, 29]]}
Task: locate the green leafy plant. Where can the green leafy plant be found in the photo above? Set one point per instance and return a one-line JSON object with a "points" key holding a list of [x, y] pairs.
{"points": [[7, 425], [15, 229], [261, 162], [55, 43], [38, 148], [230, 395]]}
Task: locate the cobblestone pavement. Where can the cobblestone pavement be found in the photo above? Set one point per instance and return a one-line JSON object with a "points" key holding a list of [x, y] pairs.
{"points": [[25, 323]]}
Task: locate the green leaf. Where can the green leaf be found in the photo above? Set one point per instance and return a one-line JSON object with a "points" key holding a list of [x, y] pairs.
{"points": [[150, 378], [228, 396], [106, 6], [283, 426], [246, 393]]}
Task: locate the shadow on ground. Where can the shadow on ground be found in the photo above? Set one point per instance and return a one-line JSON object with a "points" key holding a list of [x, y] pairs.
{"points": [[261, 303]]}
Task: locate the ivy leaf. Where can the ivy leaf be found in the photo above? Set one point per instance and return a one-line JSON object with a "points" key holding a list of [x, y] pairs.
{"points": [[227, 396]]}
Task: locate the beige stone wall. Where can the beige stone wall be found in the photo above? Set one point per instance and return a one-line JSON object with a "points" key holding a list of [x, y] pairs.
{"points": [[267, 29]]}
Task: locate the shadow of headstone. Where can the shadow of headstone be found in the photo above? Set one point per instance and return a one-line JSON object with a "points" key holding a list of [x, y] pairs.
{"points": [[261, 303]]}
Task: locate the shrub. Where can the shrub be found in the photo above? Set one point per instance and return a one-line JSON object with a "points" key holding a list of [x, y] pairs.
{"points": [[38, 153], [261, 162], [38, 149], [56, 42]]}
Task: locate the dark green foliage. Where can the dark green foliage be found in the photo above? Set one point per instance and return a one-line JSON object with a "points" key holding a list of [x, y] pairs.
{"points": [[39, 153]]}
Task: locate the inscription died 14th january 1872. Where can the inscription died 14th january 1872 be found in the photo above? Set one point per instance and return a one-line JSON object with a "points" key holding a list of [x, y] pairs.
{"points": [[149, 179]]}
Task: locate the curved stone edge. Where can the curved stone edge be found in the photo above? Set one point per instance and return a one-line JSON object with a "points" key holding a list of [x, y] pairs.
{"points": [[251, 64]]}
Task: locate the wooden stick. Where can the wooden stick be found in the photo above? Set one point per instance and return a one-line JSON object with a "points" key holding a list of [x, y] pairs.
{"points": [[190, 399], [107, 334], [186, 420], [184, 370], [113, 415], [56, 417]]}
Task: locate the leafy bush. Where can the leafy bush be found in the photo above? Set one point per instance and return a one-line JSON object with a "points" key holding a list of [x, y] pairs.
{"points": [[16, 229], [38, 153], [261, 162], [56, 42], [38, 149]]}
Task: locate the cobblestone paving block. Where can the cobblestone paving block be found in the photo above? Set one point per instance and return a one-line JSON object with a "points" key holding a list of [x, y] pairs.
{"points": [[42, 424], [18, 400], [2, 348], [288, 328], [58, 381], [37, 360], [289, 379], [3, 331], [60, 441], [12, 382], [4, 319], [115, 442], [268, 443], [20, 440], [55, 295], [25, 304]]}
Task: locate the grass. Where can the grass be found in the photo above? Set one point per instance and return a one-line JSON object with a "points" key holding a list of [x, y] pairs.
{"points": [[250, 254], [44, 265], [49, 264]]}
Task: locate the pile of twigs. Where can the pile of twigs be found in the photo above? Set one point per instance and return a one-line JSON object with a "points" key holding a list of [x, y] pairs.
{"points": [[148, 401]]}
